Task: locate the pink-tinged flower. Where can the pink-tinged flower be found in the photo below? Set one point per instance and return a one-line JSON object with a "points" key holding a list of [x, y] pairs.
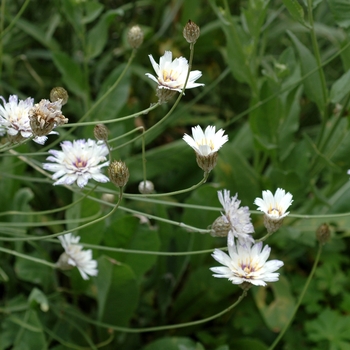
{"points": [[171, 74], [246, 262], [78, 161]]}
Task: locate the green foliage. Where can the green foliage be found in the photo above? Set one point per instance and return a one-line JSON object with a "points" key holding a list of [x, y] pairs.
{"points": [[276, 79]]}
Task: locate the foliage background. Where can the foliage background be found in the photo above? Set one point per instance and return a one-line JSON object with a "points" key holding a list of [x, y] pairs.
{"points": [[275, 79]]}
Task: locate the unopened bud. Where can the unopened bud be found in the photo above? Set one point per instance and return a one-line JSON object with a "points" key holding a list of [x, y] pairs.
{"points": [[59, 93], [101, 132], [135, 37], [146, 187], [191, 32], [164, 95], [220, 227], [118, 173], [323, 233]]}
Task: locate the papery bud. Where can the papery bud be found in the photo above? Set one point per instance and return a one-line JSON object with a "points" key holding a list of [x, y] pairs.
{"points": [[191, 32], [323, 233], [135, 37], [164, 95], [101, 132], [207, 163], [44, 116], [63, 263], [108, 197], [118, 173], [220, 227], [146, 187], [59, 93], [272, 225]]}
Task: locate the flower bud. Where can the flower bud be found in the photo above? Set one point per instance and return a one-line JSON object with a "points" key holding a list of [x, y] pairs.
{"points": [[59, 93], [146, 187], [135, 37], [164, 95], [323, 234], [191, 32], [101, 132], [44, 116], [220, 227], [118, 173]]}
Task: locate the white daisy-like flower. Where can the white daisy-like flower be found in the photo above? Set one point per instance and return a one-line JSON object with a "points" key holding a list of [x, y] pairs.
{"points": [[75, 256], [246, 262], [207, 142], [275, 208], [172, 74], [14, 119], [78, 161], [238, 217], [206, 145]]}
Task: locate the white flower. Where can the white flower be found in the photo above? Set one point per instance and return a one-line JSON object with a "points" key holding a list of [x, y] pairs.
{"points": [[172, 74], [78, 161], [274, 206], [238, 217], [246, 263], [207, 142], [14, 119], [75, 256]]}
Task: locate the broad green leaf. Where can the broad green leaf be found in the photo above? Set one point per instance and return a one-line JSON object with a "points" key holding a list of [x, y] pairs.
{"points": [[92, 10], [312, 83], [277, 313], [73, 12], [128, 233], [117, 292], [174, 343], [340, 88], [97, 37], [341, 12], [296, 11], [38, 34], [21, 203], [71, 72]]}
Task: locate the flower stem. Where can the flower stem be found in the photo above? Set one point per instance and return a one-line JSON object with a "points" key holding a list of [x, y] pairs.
{"points": [[301, 296]]}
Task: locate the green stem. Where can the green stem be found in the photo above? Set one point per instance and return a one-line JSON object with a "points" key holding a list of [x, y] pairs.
{"points": [[27, 257], [301, 296], [160, 328]]}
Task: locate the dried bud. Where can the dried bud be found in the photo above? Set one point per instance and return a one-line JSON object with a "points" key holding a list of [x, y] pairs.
{"points": [[191, 32], [101, 132], [146, 187], [59, 94], [44, 116], [118, 173], [164, 95], [207, 163], [323, 234], [220, 227], [135, 37]]}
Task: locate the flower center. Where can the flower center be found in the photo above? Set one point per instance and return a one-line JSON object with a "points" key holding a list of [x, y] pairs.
{"points": [[169, 76], [275, 212], [80, 163], [206, 142]]}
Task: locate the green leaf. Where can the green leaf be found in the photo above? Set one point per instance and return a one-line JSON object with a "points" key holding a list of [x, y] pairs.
{"points": [[71, 72], [330, 326], [296, 11], [341, 12], [249, 344], [277, 313], [174, 343], [38, 34], [312, 83], [117, 292], [340, 88], [127, 233], [92, 10]]}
